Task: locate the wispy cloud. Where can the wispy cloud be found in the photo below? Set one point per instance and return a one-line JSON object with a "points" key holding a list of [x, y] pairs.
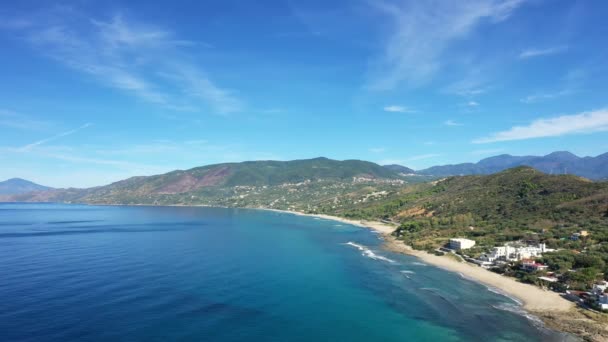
{"points": [[466, 88], [539, 97], [122, 161], [193, 152], [452, 123], [424, 30], [472, 103], [145, 61], [54, 137], [536, 52], [586, 122], [125, 165], [95, 169], [573, 81], [397, 109], [12, 119]]}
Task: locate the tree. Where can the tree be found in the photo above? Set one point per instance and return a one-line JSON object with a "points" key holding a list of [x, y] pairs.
{"points": [[584, 276], [586, 261]]}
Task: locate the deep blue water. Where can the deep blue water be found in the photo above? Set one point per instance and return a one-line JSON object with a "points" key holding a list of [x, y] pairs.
{"points": [[71, 272]]}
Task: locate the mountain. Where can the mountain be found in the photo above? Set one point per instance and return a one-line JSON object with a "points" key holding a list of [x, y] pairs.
{"points": [[19, 186], [510, 205], [561, 162], [254, 173], [230, 183], [400, 169]]}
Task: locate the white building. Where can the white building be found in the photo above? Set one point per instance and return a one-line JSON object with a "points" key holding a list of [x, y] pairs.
{"points": [[458, 244], [531, 265], [515, 253], [602, 301], [600, 287], [602, 297]]}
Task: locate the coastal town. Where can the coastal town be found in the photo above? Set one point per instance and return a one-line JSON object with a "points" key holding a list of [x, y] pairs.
{"points": [[525, 261]]}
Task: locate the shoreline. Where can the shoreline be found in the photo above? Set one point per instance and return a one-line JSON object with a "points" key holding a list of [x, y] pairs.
{"points": [[531, 298], [554, 311], [550, 308]]}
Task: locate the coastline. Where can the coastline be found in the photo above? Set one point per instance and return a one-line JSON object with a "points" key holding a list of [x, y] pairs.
{"points": [[554, 311], [532, 298]]}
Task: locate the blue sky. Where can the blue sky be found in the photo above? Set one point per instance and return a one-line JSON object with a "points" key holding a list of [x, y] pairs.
{"points": [[93, 92]]}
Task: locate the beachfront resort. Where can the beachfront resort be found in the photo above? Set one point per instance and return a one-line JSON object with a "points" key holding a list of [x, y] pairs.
{"points": [[525, 261]]}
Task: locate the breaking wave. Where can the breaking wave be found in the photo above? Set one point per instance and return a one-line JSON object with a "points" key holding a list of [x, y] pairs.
{"points": [[517, 309], [369, 253]]}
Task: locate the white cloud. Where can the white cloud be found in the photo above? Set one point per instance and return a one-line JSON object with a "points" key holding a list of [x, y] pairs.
{"points": [[535, 52], [452, 123], [586, 122], [466, 88], [472, 104], [397, 109], [545, 96], [145, 61], [424, 30], [55, 137]]}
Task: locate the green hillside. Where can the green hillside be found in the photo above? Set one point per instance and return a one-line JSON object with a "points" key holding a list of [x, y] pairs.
{"points": [[510, 205]]}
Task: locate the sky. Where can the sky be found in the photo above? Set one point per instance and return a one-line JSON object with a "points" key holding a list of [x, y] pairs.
{"points": [[93, 92]]}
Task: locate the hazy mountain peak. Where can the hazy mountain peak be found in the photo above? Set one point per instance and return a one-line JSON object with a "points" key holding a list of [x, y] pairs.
{"points": [[559, 162], [20, 186]]}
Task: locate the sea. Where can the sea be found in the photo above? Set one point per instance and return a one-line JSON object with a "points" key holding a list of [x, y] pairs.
{"points": [[145, 273]]}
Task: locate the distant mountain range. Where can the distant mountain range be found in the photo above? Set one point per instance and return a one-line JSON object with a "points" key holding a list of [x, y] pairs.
{"points": [[214, 184], [595, 168], [220, 181], [20, 186], [400, 169]]}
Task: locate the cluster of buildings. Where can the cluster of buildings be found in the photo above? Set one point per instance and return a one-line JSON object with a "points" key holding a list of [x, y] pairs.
{"points": [[507, 253], [526, 254], [362, 179], [515, 252], [597, 297]]}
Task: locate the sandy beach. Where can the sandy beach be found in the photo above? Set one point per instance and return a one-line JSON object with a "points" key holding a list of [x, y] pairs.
{"points": [[532, 298]]}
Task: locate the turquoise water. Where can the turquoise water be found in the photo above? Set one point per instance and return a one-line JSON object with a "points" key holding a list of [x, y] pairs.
{"points": [[71, 272]]}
